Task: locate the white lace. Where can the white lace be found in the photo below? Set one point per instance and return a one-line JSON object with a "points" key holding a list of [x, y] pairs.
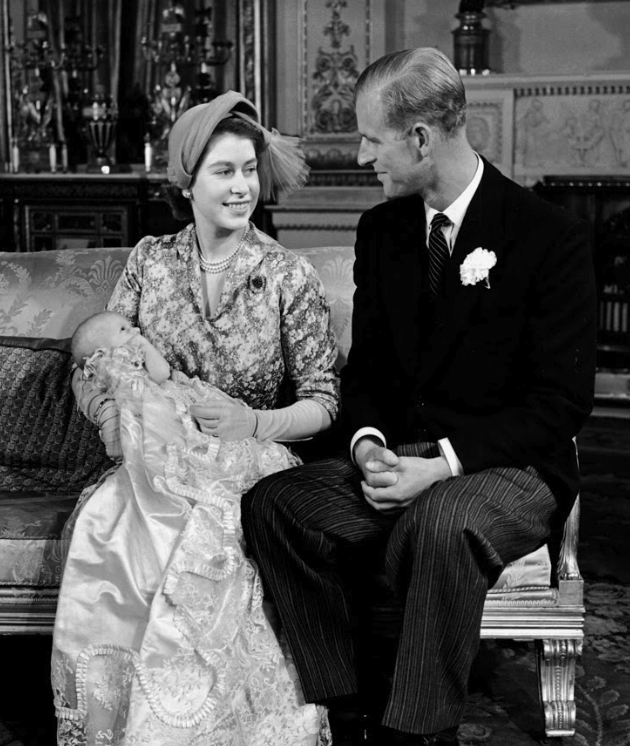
{"points": [[209, 670]]}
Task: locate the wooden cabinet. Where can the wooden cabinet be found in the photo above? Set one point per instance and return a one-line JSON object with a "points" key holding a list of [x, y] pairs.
{"points": [[605, 204], [58, 211], [46, 211]]}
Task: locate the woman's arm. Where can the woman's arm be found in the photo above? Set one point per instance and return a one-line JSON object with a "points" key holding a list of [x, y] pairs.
{"points": [[308, 343], [231, 419], [298, 421], [125, 298], [101, 410]]}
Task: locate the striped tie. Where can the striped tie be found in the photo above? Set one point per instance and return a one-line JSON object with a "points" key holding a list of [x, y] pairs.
{"points": [[438, 253]]}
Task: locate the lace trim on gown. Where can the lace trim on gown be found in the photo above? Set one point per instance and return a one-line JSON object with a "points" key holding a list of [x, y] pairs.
{"points": [[161, 635]]}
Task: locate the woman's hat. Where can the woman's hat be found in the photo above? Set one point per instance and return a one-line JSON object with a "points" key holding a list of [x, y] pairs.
{"points": [[281, 164]]}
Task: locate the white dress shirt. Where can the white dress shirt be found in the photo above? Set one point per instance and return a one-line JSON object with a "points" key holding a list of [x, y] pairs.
{"points": [[455, 212]]}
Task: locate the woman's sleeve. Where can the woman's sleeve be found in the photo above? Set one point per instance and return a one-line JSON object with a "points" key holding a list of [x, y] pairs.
{"points": [[125, 299], [308, 341], [298, 421], [101, 410]]}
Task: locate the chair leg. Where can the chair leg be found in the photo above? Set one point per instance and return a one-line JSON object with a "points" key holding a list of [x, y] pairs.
{"points": [[556, 676]]}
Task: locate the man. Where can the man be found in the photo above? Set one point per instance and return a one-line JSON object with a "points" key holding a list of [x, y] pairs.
{"points": [[471, 370]]}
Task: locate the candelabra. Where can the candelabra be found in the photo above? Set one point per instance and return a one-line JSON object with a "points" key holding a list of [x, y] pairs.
{"points": [[174, 47], [37, 54], [179, 54], [44, 107]]}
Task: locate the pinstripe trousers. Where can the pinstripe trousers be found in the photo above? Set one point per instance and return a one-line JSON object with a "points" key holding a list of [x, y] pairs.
{"points": [[313, 536]]}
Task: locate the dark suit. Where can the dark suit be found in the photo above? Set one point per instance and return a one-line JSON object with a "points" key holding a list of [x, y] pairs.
{"points": [[506, 374]]}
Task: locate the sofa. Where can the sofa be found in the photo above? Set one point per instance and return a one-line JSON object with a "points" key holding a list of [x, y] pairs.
{"points": [[49, 452]]}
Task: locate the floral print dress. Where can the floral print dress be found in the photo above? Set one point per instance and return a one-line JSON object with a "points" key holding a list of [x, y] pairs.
{"points": [[160, 636], [271, 327]]}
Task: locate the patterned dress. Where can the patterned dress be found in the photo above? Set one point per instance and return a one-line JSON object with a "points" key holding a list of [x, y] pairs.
{"points": [[272, 324], [160, 636]]}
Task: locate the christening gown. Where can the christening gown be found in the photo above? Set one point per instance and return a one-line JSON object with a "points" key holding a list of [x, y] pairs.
{"points": [[161, 636]]}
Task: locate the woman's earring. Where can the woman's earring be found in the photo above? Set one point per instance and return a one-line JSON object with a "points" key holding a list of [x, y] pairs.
{"points": [[186, 193]]}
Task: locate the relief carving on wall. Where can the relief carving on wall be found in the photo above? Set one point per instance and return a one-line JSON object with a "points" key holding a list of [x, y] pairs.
{"points": [[489, 126], [572, 130], [334, 78]]}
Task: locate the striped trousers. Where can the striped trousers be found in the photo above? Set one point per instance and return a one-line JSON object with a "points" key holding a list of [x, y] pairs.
{"points": [[315, 537]]}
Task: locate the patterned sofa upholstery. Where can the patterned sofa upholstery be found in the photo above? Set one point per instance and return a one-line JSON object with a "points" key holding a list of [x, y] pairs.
{"points": [[49, 452]]}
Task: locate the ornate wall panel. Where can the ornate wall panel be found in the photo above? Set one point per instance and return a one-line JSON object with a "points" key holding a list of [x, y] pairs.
{"points": [[316, 72], [338, 38], [490, 126]]}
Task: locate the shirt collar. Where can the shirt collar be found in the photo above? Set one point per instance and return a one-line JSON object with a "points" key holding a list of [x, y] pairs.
{"points": [[456, 211]]}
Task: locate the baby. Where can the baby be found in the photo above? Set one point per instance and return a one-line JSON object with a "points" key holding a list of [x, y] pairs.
{"points": [[215, 413], [120, 345], [109, 329]]}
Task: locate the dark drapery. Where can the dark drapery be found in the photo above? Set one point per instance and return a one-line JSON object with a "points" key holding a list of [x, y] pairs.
{"points": [[119, 34]]}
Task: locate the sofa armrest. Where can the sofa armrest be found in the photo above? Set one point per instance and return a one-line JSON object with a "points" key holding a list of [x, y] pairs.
{"points": [[567, 568]]}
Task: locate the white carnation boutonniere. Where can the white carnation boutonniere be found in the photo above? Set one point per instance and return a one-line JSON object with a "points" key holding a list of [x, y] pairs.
{"points": [[476, 267]]}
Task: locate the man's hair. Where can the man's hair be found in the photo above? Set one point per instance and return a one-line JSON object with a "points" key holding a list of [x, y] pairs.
{"points": [[87, 337], [417, 84], [180, 205]]}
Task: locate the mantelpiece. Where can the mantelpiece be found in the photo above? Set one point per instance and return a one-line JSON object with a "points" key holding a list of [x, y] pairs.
{"points": [[46, 211], [55, 211], [529, 127], [322, 215]]}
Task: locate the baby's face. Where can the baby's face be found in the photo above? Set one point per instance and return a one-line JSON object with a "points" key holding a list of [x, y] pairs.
{"points": [[120, 331]]}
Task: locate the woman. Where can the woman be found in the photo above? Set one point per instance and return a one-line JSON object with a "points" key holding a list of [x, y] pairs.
{"points": [[160, 636]]}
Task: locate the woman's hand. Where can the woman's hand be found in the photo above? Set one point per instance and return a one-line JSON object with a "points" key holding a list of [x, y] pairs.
{"points": [[229, 420]]}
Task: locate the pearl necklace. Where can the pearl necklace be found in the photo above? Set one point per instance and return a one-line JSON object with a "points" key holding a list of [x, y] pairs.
{"points": [[216, 268]]}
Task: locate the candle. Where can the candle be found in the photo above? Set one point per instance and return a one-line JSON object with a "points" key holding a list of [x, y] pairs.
{"points": [[52, 157], [148, 155], [64, 157], [15, 157]]}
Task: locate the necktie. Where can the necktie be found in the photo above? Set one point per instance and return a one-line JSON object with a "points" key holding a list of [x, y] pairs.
{"points": [[438, 253]]}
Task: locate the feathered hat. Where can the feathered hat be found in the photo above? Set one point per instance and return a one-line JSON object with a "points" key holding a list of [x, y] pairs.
{"points": [[281, 165]]}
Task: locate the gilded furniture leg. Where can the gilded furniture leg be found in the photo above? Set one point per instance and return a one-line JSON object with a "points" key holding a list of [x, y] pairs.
{"points": [[556, 671]]}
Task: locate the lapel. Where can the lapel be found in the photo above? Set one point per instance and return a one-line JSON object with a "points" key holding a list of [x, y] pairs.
{"points": [[401, 280], [483, 227]]}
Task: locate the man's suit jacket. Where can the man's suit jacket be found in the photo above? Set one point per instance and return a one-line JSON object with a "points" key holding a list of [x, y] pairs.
{"points": [[505, 372]]}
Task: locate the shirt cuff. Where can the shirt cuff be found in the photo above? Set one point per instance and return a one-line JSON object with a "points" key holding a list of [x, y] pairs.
{"points": [[361, 433], [446, 449]]}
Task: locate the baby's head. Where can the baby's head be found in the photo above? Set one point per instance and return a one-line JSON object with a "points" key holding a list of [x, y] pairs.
{"points": [[105, 329]]}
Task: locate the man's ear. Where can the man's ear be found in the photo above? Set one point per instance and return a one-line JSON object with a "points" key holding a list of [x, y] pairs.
{"points": [[423, 137]]}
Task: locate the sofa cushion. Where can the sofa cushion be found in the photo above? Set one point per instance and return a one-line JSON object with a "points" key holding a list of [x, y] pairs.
{"points": [[524, 578], [31, 548], [46, 444], [334, 265], [47, 293]]}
